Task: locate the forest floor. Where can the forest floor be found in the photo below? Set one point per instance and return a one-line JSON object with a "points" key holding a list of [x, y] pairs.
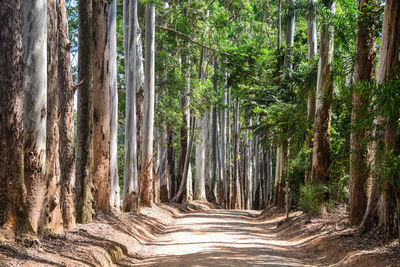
{"points": [[199, 234]]}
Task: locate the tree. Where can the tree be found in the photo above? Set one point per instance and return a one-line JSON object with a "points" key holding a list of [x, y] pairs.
{"points": [[131, 190], [101, 106], [13, 206], [84, 158], [146, 181], [115, 201], [320, 156], [312, 50], [364, 71], [381, 207], [66, 127], [34, 37]]}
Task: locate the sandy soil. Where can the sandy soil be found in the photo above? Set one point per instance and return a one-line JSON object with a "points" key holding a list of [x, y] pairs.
{"points": [[198, 234]]}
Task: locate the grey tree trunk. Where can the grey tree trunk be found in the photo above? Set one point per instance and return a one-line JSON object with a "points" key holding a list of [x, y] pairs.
{"points": [[312, 50], [115, 200], [236, 180], [84, 159], [146, 181], [321, 146], [290, 34], [34, 37]]}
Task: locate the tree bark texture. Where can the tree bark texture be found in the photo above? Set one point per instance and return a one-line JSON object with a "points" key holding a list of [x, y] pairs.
{"points": [[34, 37], [131, 185], [53, 176], [84, 159], [101, 107], [381, 207], [13, 206], [67, 116], [115, 201], [364, 70], [312, 50], [146, 181], [321, 145]]}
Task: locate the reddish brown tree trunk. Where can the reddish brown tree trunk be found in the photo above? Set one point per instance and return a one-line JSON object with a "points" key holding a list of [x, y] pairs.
{"points": [[364, 70], [66, 113], [13, 213], [101, 107], [381, 206]]}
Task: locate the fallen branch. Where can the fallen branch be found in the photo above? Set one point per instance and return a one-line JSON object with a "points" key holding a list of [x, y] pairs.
{"points": [[191, 40]]}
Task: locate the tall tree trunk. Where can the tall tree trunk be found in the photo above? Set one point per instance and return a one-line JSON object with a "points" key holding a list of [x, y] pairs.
{"points": [[320, 159], [236, 180], [53, 208], [182, 188], [381, 207], [115, 200], [84, 159], [164, 179], [146, 181], [290, 34], [171, 161], [202, 126], [13, 206], [364, 70], [101, 107], [34, 37], [67, 116], [312, 50], [131, 190], [224, 114], [139, 94], [156, 164], [214, 181], [183, 133], [229, 152]]}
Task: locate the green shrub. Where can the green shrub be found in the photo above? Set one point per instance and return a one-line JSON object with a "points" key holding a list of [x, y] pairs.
{"points": [[311, 198]]}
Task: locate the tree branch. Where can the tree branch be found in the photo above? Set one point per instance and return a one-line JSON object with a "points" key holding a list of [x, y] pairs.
{"points": [[191, 40]]}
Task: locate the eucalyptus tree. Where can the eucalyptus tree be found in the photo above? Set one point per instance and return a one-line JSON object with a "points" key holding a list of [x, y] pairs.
{"points": [[53, 208], [115, 201], [382, 211], [13, 206], [101, 106], [131, 188], [321, 145], [34, 39], [146, 181], [364, 71], [84, 159], [312, 50]]}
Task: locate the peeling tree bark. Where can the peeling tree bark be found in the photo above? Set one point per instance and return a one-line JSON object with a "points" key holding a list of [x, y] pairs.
{"points": [[320, 159], [146, 181], [34, 36], [13, 209], [101, 107], [67, 116], [53, 176]]}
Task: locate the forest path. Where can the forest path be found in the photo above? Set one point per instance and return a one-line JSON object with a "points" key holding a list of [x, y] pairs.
{"points": [[221, 238]]}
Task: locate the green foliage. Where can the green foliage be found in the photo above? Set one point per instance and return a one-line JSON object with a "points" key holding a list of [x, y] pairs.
{"points": [[310, 198]]}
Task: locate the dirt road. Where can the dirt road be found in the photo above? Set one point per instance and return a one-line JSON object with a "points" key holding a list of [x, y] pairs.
{"points": [[219, 238]]}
